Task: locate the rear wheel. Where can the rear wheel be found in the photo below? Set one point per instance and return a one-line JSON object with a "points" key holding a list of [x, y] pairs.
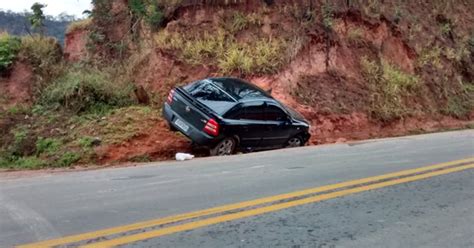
{"points": [[224, 148], [295, 141]]}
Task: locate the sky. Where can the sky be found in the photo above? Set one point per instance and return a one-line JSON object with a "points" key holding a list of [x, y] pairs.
{"points": [[54, 7]]}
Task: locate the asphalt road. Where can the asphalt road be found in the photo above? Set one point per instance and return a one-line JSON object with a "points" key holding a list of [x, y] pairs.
{"points": [[437, 211]]}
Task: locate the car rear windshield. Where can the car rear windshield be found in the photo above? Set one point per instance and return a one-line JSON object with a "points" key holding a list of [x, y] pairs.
{"points": [[239, 89], [207, 93]]}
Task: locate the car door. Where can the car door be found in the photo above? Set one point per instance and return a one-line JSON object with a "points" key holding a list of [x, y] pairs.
{"points": [[278, 126], [247, 122]]}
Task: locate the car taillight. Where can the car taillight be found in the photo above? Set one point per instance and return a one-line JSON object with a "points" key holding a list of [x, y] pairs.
{"points": [[212, 127], [170, 96]]}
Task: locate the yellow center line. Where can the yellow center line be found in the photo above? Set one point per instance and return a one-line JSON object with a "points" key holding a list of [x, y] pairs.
{"points": [[230, 207], [268, 209]]}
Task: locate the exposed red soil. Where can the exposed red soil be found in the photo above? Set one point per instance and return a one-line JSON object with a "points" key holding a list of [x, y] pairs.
{"points": [[16, 88], [155, 143], [75, 45], [339, 98], [335, 97]]}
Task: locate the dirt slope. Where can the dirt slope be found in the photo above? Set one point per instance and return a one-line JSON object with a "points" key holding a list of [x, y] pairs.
{"points": [[354, 69]]}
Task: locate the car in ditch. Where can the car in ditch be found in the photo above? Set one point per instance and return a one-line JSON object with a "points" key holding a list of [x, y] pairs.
{"points": [[230, 114]]}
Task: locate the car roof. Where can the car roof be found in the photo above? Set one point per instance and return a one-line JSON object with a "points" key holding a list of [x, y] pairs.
{"points": [[240, 90]]}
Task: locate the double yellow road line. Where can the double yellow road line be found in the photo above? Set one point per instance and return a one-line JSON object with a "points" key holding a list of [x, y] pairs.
{"points": [[193, 220]]}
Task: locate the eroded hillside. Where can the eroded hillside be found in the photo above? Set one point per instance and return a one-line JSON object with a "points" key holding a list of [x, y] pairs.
{"points": [[355, 69]]}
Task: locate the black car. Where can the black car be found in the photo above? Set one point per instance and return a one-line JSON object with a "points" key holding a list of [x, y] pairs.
{"points": [[225, 114]]}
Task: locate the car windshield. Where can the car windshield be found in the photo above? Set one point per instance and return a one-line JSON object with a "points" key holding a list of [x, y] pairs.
{"points": [[294, 113]]}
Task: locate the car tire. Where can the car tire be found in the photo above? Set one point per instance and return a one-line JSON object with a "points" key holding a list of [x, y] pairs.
{"points": [[224, 148], [295, 141]]}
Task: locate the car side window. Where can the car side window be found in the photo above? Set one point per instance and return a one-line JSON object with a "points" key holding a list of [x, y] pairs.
{"points": [[274, 113], [254, 113], [235, 114], [247, 113]]}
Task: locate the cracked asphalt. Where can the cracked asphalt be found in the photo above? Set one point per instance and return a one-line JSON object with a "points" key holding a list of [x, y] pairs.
{"points": [[435, 212]]}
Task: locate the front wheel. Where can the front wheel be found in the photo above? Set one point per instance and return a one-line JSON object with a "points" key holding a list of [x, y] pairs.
{"points": [[224, 148], [296, 141]]}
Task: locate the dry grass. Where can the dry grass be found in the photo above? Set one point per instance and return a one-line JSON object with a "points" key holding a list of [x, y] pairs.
{"points": [[389, 86], [262, 55], [79, 25]]}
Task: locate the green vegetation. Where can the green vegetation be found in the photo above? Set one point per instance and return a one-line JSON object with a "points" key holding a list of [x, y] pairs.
{"points": [[73, 137], [87, 90], [23, 163], [86, 142], [47, 145], [37, 18], [240, 21], [327, 11], [431, 56], [261, 55], [68, 158], [43, 54], [460, 101], [81, 110], [115, 127], [446, 28], [388, 86], [9, 48], [148, 10]]}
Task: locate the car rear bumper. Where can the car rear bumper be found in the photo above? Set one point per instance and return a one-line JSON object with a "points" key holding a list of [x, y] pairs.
{"points": [[194, 134]]}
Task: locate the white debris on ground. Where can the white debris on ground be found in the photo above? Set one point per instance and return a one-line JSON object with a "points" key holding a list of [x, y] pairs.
{"points": [[184, 156]]}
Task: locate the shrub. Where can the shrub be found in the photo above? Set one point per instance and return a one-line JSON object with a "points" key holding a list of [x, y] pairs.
{"points": [[431, 56], [68, 158], [154, 15], [460, 102], [221, 48], [9, 47], [47, 145], [239, 22], [21, 145], [388, 86], [44, 55], [82, 90], [4, 162], [86, 142], [150, 11], [327, 12], [236, 58], [259, 56], [28, 163]]}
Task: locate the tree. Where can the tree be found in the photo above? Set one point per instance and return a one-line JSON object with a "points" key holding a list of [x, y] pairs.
{"points": [[37, 18]]}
